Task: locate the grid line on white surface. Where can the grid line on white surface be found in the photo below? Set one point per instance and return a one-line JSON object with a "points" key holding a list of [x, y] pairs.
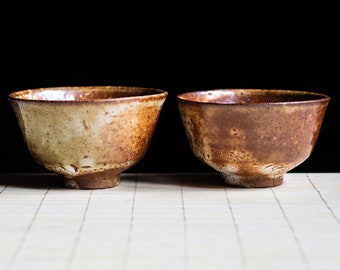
{"points": [[293, 232], [24, 238], [129, 238], [185, 227], [170, 221], [324, 200], [237, 231], [79, 233]]}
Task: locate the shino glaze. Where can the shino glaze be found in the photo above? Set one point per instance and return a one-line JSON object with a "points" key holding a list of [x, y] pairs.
{"points": [[252, 136], [88, 134]]}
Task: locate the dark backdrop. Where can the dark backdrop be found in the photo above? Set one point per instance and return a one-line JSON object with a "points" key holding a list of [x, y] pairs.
{"points": [[175, 49]]}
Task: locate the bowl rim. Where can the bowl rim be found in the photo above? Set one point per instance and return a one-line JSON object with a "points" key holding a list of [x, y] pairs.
{"points": [[23, 95], [185, 96]]}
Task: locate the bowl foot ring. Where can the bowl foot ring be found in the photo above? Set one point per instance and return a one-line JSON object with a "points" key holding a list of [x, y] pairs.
{"points": [[92, 181], [257, 181]]}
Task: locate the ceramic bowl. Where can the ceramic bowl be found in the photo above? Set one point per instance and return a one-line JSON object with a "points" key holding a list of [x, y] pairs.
{"points": [[252, 136], [88, 134]]}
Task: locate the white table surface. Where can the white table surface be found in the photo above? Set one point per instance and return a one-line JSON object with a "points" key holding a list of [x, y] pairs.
{"points": [[170, 221]]}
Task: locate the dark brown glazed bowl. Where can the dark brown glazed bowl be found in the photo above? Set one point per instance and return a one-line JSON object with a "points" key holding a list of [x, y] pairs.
{"points": [[88, 134], [252, 136]]}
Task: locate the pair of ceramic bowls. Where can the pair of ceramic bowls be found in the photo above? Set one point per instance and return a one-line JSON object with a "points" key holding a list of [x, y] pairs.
{"points": [[89, 135]]}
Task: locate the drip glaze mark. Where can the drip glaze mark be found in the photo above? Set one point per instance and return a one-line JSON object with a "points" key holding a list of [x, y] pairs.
{"points": [[74, 167], [84, 124]]}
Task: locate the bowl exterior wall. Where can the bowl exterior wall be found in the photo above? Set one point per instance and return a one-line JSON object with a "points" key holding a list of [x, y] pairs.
{"points": [[255, 139], [76, 138]]}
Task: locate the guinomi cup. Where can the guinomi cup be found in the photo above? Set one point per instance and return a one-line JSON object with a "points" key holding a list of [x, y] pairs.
{"points": [[252, 136], [88, 135]]}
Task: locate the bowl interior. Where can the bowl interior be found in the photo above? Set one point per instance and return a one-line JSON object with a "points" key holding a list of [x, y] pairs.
{"points": [[83, 93], [249, 96]]}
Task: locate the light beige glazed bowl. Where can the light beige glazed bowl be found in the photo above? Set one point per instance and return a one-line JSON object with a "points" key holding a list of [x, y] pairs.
{"points": [[88, 134], [252, 136]]}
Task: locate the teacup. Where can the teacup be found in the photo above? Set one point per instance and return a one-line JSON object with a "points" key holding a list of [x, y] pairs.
{"points": [[252, 136], [88, 134]]}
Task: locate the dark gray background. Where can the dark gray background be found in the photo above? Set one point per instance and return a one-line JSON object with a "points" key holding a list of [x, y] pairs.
{"points": [[177, 49]]}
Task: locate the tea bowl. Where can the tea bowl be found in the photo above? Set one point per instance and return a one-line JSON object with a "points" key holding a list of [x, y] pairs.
{"points": [[252, 137], [88, 135]]}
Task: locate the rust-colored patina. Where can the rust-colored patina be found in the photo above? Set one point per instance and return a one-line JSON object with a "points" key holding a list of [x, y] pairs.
{"points": [[252, 136], [88, 134]]}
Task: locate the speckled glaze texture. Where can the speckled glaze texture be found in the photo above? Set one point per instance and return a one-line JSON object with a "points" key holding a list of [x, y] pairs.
{"points": [[89, 134], [252, 136]]}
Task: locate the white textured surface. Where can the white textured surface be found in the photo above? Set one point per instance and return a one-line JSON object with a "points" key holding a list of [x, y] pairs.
{"points": [[170, 221]]}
